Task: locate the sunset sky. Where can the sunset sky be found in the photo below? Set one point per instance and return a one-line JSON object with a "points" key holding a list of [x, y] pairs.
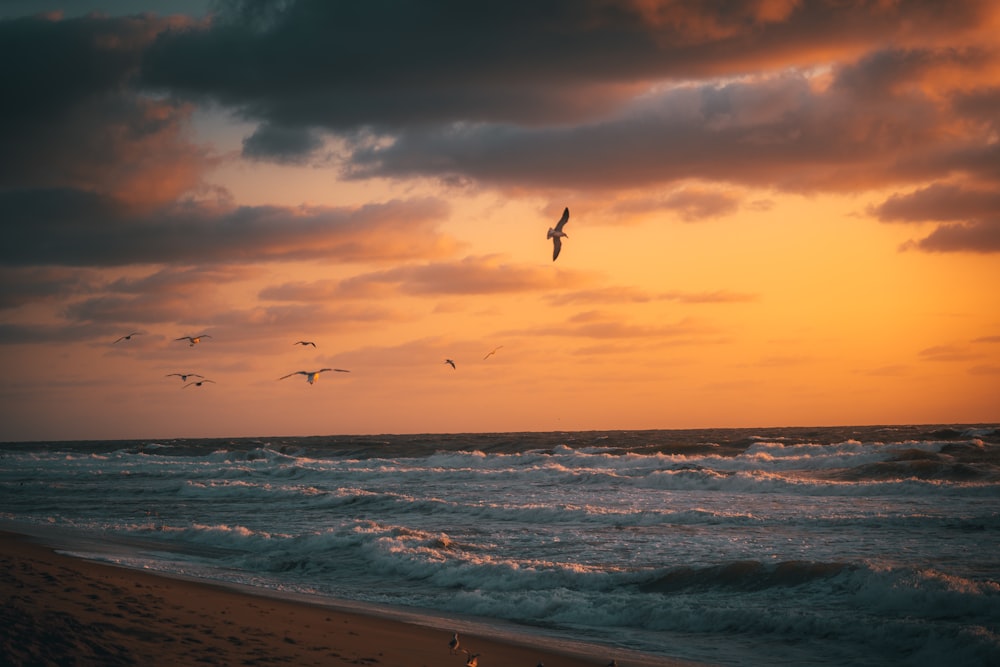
{"points": [[782, 212]]}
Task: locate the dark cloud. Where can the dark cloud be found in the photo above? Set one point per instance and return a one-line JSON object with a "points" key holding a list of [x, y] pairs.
{"points": [[938, 202], [981, 236], [287, 145], [73, 118], [21, 286], [388, 64], [70, 227]]}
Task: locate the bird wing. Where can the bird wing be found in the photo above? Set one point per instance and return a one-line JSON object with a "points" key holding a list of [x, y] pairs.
{"points": [[291, 374], [339, 370], [556, 247], [562, 220]]}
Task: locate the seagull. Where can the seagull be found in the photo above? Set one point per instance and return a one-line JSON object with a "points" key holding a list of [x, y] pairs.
{"points": [[303, 343], [197, 383], [492, 352], [194, 339], [449, 361], [128, 337], [184, 376], [312, 375], [556, 234], [473, 660], [453, 644]]}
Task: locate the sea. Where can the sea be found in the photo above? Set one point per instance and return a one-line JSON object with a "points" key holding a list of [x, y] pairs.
{"points": [[868, 545]]}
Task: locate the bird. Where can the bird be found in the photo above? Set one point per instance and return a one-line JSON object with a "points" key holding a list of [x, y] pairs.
{"points": [[492, 352], [613, 663], [303, 343], [449, 361], [556, 234], [128, 337], [473, 660], [194, 339], [198, 383], [184, 376], [453, 644], [312, 375]]}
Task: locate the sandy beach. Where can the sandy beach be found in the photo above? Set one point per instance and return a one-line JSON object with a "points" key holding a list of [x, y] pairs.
{"points": [[62, 610]]}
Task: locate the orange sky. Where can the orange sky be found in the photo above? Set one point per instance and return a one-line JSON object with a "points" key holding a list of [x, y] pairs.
{"points": [[783, 213]]}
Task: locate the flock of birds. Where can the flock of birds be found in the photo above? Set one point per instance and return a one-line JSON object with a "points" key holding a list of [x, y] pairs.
{"points": [[555, 233], [311, 376], [472, 659]]}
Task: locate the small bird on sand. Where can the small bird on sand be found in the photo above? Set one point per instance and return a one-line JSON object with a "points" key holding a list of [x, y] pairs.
{"points": [[128, 337], [184, 376], [453, 644], [194, 339], [312, 375], [556, 234], [451, 362], [198, 383], [473, 660], [492, 352], [303, 343]]}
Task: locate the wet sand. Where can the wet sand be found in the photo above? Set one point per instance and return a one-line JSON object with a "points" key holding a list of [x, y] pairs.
{"points": [[62, 610]]}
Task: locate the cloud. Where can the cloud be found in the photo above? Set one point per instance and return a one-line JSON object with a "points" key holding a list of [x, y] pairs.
{"points": [[74, 120], [619, 295], [948, 353], [937, 202], [982, 236], [471, 276], [286, 145], [76, 228]]}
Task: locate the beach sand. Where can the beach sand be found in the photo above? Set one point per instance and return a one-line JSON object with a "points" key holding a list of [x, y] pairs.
{"points": [[62, 610]]}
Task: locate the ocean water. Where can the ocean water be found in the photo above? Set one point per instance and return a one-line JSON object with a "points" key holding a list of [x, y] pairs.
{"points": [[824, 546]]}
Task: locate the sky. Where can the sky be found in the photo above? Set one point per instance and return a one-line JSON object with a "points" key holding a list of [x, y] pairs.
{"points": [[782, 213]]}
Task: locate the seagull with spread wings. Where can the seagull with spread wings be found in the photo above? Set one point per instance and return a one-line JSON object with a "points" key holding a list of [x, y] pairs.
{"points": [[312, 375], [194, 339], [557, 234]]}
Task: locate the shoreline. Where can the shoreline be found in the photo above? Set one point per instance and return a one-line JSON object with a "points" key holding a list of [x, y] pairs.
{"points": [[66, 609]]}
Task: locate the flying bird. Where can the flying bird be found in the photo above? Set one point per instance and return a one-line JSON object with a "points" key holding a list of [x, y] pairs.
{"points": [[492, 352], [453, 644], [198, 383], [128, 337], [556, 234], [312, 375], [303, 343], [184, 376], [473, 660], [449, 361], [194, 339]]}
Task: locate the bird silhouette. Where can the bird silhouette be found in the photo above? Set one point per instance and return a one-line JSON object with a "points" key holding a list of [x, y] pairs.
{"points": [[556, 234], [453, 644], [194, 339], [198, 383], [184, 376], [492, 352], [303, 343], [128, 337], [449, 361], [311, 376]]}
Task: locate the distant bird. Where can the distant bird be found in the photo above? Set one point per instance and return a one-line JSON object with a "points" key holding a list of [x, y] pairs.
{"points": [[198, 383], [473, 660], [184, 376], [312, 375], [304, 343], [556, 234], [449, 361], [194, 339], [492, 352], [453, 644], [129, 337]]}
